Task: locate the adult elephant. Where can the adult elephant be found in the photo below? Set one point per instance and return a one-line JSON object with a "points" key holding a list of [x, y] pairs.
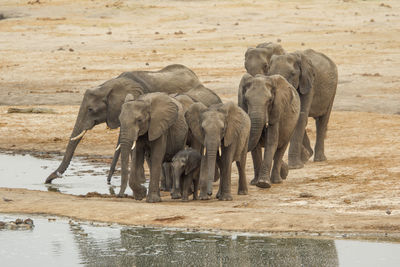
{"points": [[273, 106], [199, 94], [315, 77], [103, 103], [256, 60], [154, 124], [224, 128]]}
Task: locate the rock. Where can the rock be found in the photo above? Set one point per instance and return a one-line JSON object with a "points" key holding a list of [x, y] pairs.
{"points": [[19, 221], [347, 201], [2, 224], [31, 110], [306, 195], [7, 199], [28, 221], [388, 212]]}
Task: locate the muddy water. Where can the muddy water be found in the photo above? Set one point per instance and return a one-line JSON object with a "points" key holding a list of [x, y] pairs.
{"points": [[30, 172], [65, 243]]}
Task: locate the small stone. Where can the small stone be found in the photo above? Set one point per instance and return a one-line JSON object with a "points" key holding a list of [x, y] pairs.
{"points": [[154, 51], [71, 50], [279, 40], [237, 23], [19, 221], [388, 212], [7, 199], [156, 33], [306, 195], [303, 44], [147, 64], [29, 221], [371, 20], [347, 201], [2, 224], [109, 33]]}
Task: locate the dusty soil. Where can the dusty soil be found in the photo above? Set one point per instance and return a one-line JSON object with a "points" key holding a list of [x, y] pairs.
{"points": [[52, 51]]}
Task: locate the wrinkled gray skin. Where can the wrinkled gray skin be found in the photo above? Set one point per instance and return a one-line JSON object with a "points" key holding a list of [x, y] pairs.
{"points": [[273, 106], [198, 94], [103, 103], [256, 60], [186, 170], [315, 78], [155, 124], [225, 127]]}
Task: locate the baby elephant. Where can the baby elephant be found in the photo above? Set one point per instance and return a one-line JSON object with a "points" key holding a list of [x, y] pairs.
{"points": [[186, 171]]}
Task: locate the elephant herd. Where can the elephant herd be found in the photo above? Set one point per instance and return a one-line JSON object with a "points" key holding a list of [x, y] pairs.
{"points": [[189, 138]]}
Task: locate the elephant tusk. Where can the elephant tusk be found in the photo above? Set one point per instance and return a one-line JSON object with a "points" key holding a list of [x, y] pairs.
{"points": [[133, 145], [118, 147], [219, 151], [205, 151], [79, 136]]}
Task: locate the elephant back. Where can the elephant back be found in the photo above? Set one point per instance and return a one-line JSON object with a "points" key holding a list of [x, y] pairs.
{"points": [[204, 95]]}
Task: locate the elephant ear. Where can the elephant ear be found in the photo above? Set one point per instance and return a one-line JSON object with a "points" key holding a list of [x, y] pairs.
{"points": [[163, 113], [193, 162], [306, 78], [233, 123], [243, 86], [193, 119], [119, 89], [281, 97]]}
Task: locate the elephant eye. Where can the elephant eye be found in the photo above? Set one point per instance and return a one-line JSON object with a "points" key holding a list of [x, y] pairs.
{"points": [[90, 109]]}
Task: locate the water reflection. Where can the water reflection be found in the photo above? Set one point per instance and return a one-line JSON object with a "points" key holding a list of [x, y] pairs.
{"points": [[60, 243]]}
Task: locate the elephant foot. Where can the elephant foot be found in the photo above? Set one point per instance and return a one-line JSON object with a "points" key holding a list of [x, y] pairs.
{"points": [[185, 199], [306, 155], [284, 170], [140, 192], [319, 158], [276, 180], [225, 197], [295, 164], [176, 195], [254, 181], [242, 192], [121, 195], [263, 183], [53, 176], [204, 196], [153, 197]]}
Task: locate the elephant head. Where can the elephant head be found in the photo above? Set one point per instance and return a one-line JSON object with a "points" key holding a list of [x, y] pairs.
{"points": [[296, 68], [263, 99], [152, 114], [257, 59], [215, 127], [101, 104]]}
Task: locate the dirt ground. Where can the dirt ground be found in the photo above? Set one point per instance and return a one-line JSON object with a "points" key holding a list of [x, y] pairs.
{"points": [[53, 50]]}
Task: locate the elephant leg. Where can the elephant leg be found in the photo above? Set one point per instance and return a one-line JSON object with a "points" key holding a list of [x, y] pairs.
{"points": [[306, 152], [195, 185], [187, 184], [137, 172], [271, 144], [278, 161], [241, 165], [113, 164], [164, 177], [226, 170], [257, 158], [296, 142], [158, 148], [322, 126], [284, 170]]}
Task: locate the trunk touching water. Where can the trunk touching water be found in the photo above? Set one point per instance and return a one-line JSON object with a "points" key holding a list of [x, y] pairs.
{"points": [[258, 121], [69, 152]]}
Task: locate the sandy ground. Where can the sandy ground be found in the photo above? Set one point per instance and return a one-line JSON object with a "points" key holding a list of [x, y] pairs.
{"points": [[52, 51]]}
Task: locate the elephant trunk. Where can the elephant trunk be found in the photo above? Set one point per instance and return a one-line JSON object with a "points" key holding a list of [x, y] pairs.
{"points": [[126, 150], [211, 154], [258, 121], [72, 144], [177, 175]]}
